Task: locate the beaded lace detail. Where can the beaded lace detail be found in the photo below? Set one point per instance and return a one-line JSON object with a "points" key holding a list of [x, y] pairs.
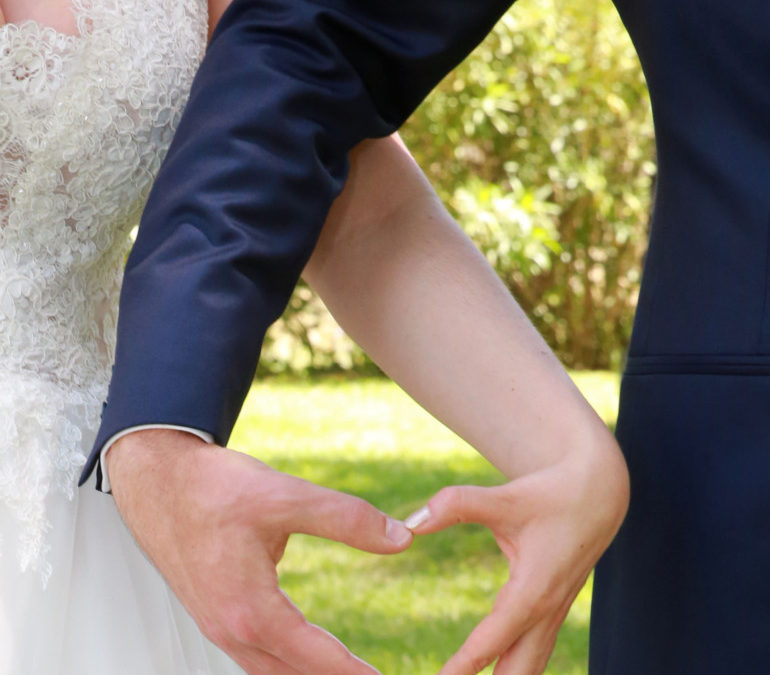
{"points": [[84, 123]]}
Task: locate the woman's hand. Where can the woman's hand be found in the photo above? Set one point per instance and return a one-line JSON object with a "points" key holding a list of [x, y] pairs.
{"points": [[552, 525]]}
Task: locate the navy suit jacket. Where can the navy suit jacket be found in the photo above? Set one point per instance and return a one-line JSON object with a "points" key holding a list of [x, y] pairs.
{"points": [[685, 588], [286, 89]]}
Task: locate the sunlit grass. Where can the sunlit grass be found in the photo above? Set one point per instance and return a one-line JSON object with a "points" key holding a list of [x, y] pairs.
{"points": [[405, 614]]}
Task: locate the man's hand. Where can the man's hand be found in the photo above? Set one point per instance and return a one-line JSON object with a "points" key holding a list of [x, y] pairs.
{"points": [[216, 522], [552, 525]]}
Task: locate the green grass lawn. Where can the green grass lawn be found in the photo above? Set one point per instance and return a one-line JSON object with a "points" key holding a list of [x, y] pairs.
{"points": [[405, 614]]}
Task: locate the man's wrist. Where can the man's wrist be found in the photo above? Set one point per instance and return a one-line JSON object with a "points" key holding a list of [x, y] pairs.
{"points": [[145, 443]]}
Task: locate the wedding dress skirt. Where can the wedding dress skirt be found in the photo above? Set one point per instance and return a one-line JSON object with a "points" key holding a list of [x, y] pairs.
{"points": [[100, 607], [77, 595], [84, 123]]}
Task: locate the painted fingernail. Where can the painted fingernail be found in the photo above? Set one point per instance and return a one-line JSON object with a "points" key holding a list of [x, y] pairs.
{"points": [[417, 518], [396, 532]]}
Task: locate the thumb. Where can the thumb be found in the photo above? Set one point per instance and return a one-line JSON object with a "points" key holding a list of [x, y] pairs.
{"points": [[350, 520], [458, 504]]}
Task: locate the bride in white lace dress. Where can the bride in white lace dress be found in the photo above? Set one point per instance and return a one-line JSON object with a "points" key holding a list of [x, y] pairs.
{"points": [[86, 115]]}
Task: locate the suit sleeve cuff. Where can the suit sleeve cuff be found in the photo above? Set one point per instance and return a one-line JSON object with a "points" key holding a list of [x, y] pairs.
{"points": [[105, 478]]}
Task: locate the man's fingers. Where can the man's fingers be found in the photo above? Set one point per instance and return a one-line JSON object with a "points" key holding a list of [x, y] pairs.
{"points": [[353, 521], [279, 630], [258, 662], [461, 504], [309, 649]]}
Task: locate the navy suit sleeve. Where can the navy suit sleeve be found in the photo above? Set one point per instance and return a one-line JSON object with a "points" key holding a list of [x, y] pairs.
{"points": [[286, 89]]}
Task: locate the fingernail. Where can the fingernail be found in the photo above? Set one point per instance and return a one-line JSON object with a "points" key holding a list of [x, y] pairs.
{"points": [[417, 518], [396, 532]]}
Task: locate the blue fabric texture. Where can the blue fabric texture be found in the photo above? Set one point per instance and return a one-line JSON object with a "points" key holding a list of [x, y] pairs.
{"points": [[684, 588], [286, 89]]}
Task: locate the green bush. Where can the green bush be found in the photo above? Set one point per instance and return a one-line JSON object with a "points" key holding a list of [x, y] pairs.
{"points": [[541, 145]]}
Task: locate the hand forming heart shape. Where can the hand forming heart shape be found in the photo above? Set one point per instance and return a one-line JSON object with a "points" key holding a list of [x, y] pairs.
{"points": [[552, 525], [216, 522]]}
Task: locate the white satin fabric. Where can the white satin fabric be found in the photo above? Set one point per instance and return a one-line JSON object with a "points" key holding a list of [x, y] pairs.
{"points": [[104, 610]]}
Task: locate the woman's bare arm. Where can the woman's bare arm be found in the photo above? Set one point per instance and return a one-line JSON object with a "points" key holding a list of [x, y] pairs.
{"points": [[407, 284], [216, 9], [55, 13]]}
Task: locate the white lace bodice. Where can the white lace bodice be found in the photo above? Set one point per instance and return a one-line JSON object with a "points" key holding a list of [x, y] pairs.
{"points": [[84, 123]]}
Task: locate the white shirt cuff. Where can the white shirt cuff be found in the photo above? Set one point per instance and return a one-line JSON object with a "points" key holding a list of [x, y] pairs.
{"points": [[203, 435]]}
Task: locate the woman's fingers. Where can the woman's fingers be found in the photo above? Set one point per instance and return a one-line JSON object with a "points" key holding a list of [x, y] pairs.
{"points": [[461, 504], [521, 630], [516, 610], [522, 602], [531, 653]]}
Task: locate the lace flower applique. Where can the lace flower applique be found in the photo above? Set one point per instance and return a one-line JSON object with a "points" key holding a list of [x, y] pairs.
{"points": [[84, 123]]}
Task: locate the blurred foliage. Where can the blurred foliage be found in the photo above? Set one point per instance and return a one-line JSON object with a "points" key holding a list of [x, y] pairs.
{"points": [[308, 340], [541, 145]]}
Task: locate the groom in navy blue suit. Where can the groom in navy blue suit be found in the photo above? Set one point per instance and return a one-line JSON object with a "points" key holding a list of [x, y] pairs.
{"points": [[288, 87]]}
